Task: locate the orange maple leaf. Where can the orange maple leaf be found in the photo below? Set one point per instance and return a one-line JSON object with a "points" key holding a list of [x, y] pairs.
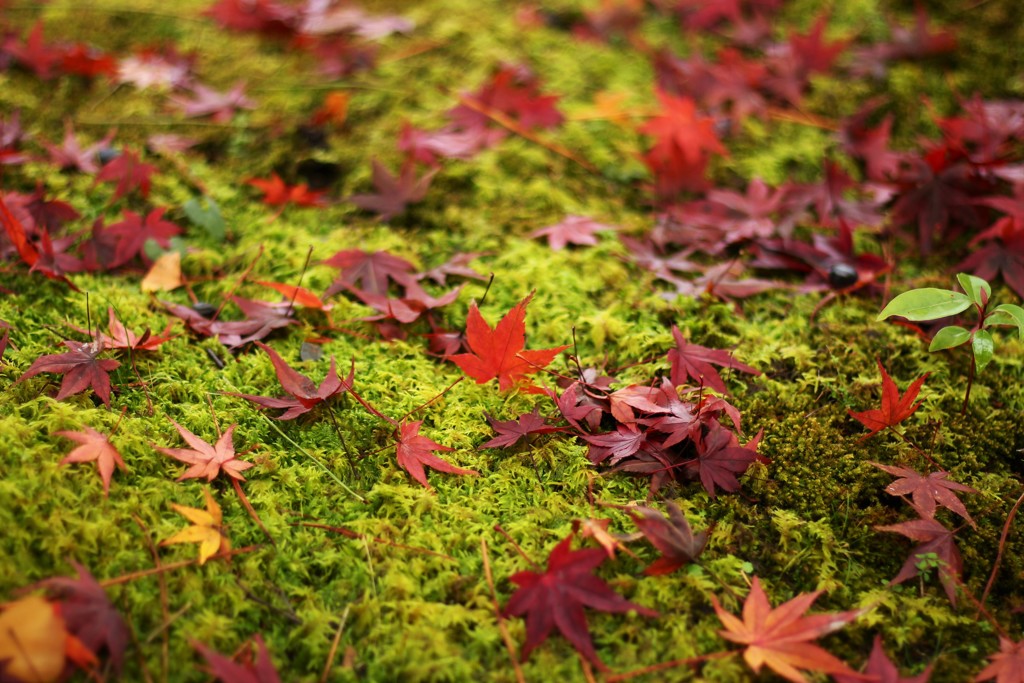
{"points": [[94, 447], [894, 408], [779, 637], [500, 352]]}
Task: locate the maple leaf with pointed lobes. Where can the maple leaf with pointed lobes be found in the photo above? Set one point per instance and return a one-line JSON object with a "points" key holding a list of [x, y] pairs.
{"points": [[207, 460], [511, 431], [578, 230], [683, 143], [221, 107], [129, 172], [457, 265], [415, 451], [205, 530], [88, 613], [894, 408], [499, 353], [780, 637], [597, 529], [880, 666], [133, 232], [1007, 665], [556, 598], [81, 368], [927, 492], [935, 539], [305, 395], [71, 154], [693, 361], [94, 447], [720, 459], [394, 193], [277, 193], [228, 671], [123, 338], [34, 54], [371, 271], [671, 535]]}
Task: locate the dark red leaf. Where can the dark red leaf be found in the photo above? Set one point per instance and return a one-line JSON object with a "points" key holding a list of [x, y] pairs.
{"points": [[880, 666], [927, 492], [370, 271], [133, 232], [229, 671], [671, 535], [693, 361], [511, 431], [128, 171], [720, 459], [394, 193], [556, 598], [81, 367], [935, 539]]}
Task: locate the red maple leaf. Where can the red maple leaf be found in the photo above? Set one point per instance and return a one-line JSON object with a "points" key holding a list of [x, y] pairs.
{"points": [[720, 459], [263, 16], [671, 535], [880, 666], [370, 271], [34, 54], [94, 447], [133, 232], [277, 193], [578, 230], [81, 367], [927, 492], [937, 540], [511, 431], [305, 395], [556, 598], [693, 361], [415, 451], [1007, 665], [71, 154], [457, 265], [88, 613], [513, 91], [894, 408], [500, 352], [207, 460], [683, 144], [128, 171], [781, 637], [123, 338], [227, 670], [87, 61], [394, 193]]}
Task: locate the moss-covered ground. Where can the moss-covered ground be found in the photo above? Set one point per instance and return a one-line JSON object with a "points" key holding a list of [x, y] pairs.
{"points": [[804, 522]]}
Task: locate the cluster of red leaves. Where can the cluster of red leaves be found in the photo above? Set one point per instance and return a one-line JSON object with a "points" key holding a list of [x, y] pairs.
{"points": [[49, 60]]}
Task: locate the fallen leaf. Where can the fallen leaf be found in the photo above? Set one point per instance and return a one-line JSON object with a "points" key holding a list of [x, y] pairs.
{"points": [[81, 368], [927, 492], [693, 361], [228, 671], [578, 230], [94, 447], [206, 529], [415, 451], [394, 193], [207, 460], [164, 275], [1007, 665], [671, 535], [895, 409], [32, 638]]}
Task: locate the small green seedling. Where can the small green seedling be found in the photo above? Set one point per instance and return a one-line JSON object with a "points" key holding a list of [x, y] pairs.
{"points": [[932, 304]]}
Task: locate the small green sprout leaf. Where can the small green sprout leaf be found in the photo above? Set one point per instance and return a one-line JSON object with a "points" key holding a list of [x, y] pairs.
{"points": [[984, 347], [207, 218], [948, 337], [974, 286], [926, 304], [1008, 314]]}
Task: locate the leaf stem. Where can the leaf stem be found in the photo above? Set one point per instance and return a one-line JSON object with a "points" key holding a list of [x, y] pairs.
{"points": [[314, 460], [509, 645], [1002, 547]]}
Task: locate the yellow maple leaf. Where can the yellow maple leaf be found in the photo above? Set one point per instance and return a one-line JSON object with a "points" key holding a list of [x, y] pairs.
{"points": [[205, 529]]}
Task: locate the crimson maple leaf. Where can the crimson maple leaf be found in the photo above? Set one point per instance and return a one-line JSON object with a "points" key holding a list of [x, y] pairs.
{"points": [[123, 338], [556, 598], [305, 395], [133, 232], [781, 637], [277, 193], [81, 367], [228, 671], [500, 352], [513, 91], [895, 409], [94, 447], [394, 193], [207, 460], [35, 54], [683, 144], [720, 459], [71, 154], [577, 230], [927, 492], [264, 16], [671, 535], [88, 613], [415, 451], [693, 361], [511, 431], [1007, 665], [880, 666], [370, 271], [935, 539], [128, 171]]}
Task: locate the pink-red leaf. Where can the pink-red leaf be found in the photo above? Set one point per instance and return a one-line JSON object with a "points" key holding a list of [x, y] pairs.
{"points": [[927, 492], [693, 361], [207, 460], [81, 366], [415, 451], [94, 447]]}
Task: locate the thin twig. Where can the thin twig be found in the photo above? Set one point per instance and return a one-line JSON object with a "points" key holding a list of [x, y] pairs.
{"points": [[376, 539], [334, 645], [509, 645], [500, 530], [143, 573], [164, 603], [1002, 547], [252, 513]]}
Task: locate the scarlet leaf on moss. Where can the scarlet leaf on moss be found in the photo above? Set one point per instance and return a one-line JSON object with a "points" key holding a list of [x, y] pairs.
{"points": [[556, 598], [81, 366], [895, 409], [415, 451]]}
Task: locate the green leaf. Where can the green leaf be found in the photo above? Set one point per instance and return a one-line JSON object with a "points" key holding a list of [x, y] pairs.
{"points": [[207, 218], [1007, 314], [974, 286], [926, 304], [984, 348], [948, 337]]}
